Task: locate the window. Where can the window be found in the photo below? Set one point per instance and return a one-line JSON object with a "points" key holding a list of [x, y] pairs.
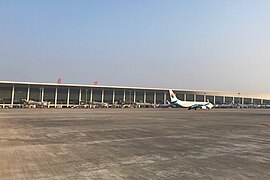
{"points": [[190, 97], [108, 95], [74, 96], [199, 98], [149, 96], [49, 94], [19, 94], [35, 93], [97, 95], [5, 94], [228, 99], [62, 95], [160, 98], [140, 96]]}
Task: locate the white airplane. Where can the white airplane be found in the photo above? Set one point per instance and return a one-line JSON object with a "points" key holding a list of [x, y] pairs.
{"points": [[189, 104], [95, 104], [36, 103], [231, 105]]}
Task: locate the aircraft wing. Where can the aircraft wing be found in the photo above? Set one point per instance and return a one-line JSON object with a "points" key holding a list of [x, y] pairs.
{"points": [[198, 105]]}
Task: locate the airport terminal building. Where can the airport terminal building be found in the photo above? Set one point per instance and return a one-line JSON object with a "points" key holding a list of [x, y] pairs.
{"points": [[68, 95]]}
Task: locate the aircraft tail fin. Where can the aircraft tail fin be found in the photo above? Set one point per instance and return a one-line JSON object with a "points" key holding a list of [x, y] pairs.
{"points": [[172, 96]]}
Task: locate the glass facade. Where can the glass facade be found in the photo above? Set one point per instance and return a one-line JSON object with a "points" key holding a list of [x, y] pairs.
{"points": [[149, 96], [140, 96], [237, 100], [190, 97], [228, 99], [256, 101], [119, 95], [20, 94], [160, 98], [74, 96], [129, 96], [62, 94], [35, 94], [97, 95], [199, 98], [85, 97], [210, 99], [180, 95], [108, 96], [5, 94], [49, 94], [84, 94], [247, 100], [219, 100]]}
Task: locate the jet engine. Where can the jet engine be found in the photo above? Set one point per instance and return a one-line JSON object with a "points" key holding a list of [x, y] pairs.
{"points": [[204, 107]]}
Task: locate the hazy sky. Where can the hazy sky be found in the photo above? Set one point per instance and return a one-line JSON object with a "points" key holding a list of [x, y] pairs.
{"points": [[213, 45]]}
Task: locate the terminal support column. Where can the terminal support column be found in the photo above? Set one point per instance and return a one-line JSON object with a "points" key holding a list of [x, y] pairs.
{"points": [[12, 95], [243, 101], [252, 101], [124, 96], [134, 100], [261, 101], [28, 93], [102, 95], [113, 96], [214, 99], [185, 97], [155, 98], [224, 99], [91, 95], [164, 98], [195, 97], [144, 97], [204, 98], [86, 96], [80, 96], [42, 94], [68, 96], [55, 98]]}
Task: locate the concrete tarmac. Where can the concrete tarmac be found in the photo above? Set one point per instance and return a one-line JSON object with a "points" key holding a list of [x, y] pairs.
{"points": [[134, 144]]}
